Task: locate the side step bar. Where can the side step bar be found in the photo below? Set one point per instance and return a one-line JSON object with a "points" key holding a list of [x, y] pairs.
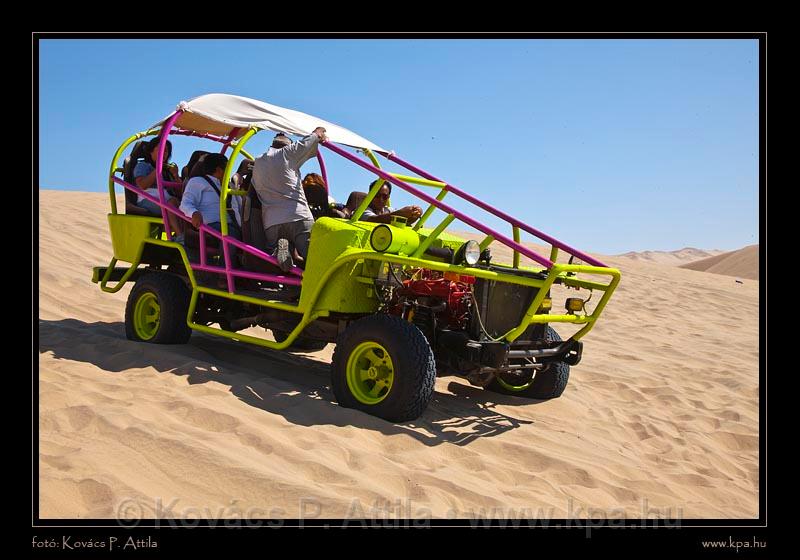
{"points": [[116, 274]]}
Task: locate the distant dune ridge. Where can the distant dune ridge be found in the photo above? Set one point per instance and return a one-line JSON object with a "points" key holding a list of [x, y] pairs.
{"points": [[674, 258], [660, 419], [742, 263]]}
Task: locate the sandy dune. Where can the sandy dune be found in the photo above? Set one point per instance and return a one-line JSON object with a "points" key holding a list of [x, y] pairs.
{"points": [[742, 263], [660, 418], [674, 258]]}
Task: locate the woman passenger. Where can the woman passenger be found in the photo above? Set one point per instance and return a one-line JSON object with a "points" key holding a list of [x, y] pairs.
{"points": [[145, 177]]}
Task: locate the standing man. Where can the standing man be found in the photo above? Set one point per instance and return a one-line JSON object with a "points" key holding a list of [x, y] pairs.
{"points": [[284, 209]]}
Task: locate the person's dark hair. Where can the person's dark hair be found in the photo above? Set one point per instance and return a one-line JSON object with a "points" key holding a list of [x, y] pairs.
{"points": [[212, 161], [314, 179], [386, 184], [316, 193], [151, 145], [280, 141]]}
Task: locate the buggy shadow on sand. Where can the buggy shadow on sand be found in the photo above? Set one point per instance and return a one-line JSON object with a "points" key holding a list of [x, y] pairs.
{"points": [[401, 303]]}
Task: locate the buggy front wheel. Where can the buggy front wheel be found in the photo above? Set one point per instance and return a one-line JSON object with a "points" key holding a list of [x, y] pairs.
{"points": [[548, 383], [385, 367]]}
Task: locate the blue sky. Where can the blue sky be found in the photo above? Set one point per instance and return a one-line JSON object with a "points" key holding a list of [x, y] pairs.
{"points": [[609, 145]]}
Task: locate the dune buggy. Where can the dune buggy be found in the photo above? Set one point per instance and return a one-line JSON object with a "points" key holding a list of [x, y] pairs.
{"points": [[401, 302]]}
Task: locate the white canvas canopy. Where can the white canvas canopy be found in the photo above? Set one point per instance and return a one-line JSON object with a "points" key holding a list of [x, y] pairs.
{"points": [[219, 113]]}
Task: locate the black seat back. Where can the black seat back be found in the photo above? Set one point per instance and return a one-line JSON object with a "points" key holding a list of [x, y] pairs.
{"points": [[191, 169], [354, 200], [317, 198], [253, 231]]}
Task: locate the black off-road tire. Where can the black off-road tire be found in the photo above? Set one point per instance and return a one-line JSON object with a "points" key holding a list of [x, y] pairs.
{"points": [[173, 299], [547, 384], [411, 355]]}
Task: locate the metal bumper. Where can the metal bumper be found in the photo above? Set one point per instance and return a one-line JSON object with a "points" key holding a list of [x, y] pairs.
{"points": [[496, 354]]}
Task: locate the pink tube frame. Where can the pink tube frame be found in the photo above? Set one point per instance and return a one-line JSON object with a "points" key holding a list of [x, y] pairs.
{"points": [[295, 279], [499, 213], [296, 274], [444, 207]]}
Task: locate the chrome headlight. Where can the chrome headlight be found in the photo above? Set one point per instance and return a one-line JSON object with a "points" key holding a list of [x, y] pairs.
{"points": [[472, 252]]}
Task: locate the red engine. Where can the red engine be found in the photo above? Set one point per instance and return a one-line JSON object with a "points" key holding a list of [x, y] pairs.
{"points": [[446, 296]]}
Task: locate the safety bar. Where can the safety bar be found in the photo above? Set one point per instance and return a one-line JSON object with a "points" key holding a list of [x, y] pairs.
{"points": [[295, 273], [441, 205], [500, 214]]}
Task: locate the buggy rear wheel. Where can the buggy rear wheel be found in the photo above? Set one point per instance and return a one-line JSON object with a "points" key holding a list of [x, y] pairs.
{"points": [[156, 310]]}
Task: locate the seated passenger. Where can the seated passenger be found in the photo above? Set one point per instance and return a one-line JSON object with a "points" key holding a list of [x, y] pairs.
{"points": [[145, 178], [377, 211], [241, 181], [319, 201], [202, 194], [243, 177]]}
